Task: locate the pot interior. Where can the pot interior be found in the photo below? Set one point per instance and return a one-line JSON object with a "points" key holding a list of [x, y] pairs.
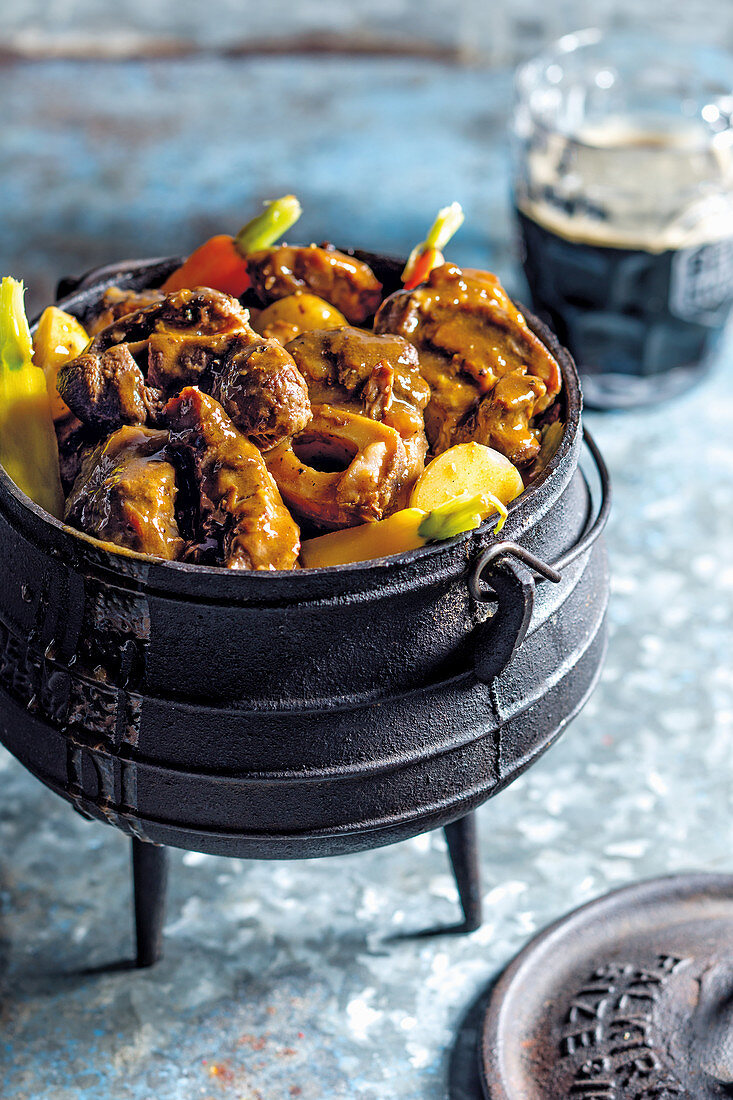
{"points": [[81, 299]]}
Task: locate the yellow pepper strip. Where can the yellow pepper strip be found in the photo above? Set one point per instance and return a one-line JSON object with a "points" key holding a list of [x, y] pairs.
{"points": [[394, 535], [28, 448], [407, 529], [59, 338]]}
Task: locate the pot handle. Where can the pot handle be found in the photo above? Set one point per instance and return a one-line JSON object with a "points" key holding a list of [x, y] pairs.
{"points": [[511, 583]]}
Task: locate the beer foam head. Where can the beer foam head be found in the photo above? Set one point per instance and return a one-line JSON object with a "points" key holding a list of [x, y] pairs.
{"points": [[626, 140], [622, 184]]}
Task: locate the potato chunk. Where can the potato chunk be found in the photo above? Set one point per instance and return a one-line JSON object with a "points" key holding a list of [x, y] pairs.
{"points": [[287, 317], [467, 468]]}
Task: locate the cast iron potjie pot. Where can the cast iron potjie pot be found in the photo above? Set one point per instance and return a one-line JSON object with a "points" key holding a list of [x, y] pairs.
{"points": [[304, 713]]}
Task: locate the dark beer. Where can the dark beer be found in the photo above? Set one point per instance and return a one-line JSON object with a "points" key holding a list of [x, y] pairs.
{"points": [[623, 187], [641, 324]]}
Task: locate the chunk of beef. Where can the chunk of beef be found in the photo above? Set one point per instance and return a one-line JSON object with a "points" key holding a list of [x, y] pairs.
{"points": [[255, 380], [106, 388], [344, 469], [74, 440], [348, 284], [117, 303], [126, 492], [175, 341], [469, 335], [346, 357], [175, 360], [378, 392], [263, 391], [502, 420], [377, 376], [241, 510], [199, 312]]}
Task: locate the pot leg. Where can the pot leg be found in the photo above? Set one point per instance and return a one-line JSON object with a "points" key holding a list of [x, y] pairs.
{"points": [[150, 880], [463, 850]]}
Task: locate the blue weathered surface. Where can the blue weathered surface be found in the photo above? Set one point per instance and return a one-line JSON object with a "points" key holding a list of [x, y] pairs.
{"points": [[496, 33], [103, 161], [294, 979]]}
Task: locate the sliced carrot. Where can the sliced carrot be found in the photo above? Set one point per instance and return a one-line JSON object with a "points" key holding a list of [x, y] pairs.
{"points": [[427, 255], [422, 267], [217, 264], [221, 262]]}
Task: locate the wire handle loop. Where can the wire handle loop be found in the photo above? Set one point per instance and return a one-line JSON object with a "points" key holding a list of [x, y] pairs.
{"points": [[549, 571]]}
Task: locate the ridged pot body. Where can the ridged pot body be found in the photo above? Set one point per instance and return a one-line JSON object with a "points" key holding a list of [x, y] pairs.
{"points": [[299, 714]]}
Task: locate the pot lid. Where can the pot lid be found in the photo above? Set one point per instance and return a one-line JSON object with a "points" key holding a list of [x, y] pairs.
{"points": [[628, 998]]}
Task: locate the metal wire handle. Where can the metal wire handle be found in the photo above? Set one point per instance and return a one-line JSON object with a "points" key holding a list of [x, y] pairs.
{"points": [[551, 572]]}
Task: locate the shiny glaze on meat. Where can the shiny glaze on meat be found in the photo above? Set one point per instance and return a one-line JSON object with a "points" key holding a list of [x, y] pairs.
{"points": [[348, 284], [263, 392], [240, 506], [74, 440], [125, 493], [176, 360], [370, 468], [339, 363], [106, 387], [340, 413], [255, 380], [197, 337], [198, 312], [377, 376], [501, 420], [469, 335]]}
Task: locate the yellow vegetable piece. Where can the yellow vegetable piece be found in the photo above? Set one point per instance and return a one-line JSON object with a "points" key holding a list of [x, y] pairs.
{"points": [[394, 535], [408, 529], [300, 312], [59, 338], [467, 468], [28, 448]]}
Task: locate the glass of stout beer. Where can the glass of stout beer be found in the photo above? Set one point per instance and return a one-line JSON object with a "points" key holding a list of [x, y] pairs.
{"points": [[623, 188]]}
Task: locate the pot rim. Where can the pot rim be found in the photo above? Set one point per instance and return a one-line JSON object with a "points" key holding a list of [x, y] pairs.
{"points": [[518, 509]]}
